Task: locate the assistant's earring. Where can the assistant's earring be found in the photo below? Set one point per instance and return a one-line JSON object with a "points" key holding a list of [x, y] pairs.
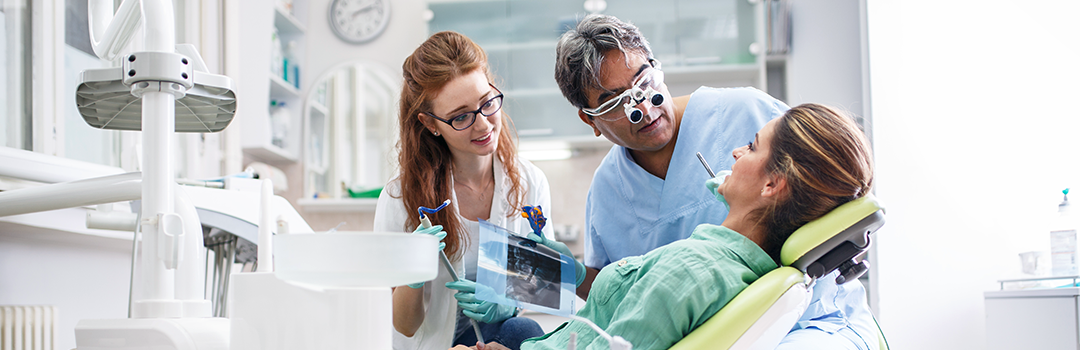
{"points": [[436, 133]]}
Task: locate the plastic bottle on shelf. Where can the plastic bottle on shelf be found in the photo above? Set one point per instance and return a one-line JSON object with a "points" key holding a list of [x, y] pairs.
{"points": [[292, 68], [1063, 253], [280, 120], [277, 59]]}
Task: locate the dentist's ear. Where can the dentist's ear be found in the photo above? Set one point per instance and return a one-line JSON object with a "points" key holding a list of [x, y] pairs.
{"points": [[588, 120]]}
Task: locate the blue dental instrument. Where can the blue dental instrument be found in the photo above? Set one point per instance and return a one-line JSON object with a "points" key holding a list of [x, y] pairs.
{"points": [[537, 221], [425, 222]]}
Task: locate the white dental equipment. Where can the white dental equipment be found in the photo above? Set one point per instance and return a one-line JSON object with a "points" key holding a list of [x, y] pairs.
{"points": [[165, 88], [614, 342], [169, 306]]}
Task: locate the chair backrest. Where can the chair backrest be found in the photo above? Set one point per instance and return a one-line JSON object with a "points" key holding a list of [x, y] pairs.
{"points": [[761, 315]]}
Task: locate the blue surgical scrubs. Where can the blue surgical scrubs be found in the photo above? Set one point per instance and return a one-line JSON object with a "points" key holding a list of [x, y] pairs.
{"points": [[630, 212]]}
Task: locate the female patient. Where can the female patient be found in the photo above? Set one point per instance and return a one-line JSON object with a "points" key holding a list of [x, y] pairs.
{"points": [[799, 167]]}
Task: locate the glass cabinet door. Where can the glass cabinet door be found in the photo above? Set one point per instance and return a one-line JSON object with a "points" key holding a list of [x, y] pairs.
{"points": [[520, 36]]}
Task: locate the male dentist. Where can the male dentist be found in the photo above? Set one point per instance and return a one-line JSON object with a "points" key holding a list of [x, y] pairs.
{"points": [[649, 190]]}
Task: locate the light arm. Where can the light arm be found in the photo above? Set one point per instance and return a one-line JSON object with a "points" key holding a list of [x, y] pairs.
{"points": [[108, 34]]}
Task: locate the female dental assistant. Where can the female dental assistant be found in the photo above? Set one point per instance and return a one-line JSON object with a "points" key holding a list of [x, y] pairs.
{"points": [[455, 144]]}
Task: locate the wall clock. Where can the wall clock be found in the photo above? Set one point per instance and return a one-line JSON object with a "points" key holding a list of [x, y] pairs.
{"points": [[359, 21]]}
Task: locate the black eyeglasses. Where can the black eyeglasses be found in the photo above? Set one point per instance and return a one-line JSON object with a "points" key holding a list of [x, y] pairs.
{"points": [[465, 120]]}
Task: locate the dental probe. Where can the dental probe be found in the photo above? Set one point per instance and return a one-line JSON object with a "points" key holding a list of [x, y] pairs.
{"points": [[706, 164], [425, 222]]}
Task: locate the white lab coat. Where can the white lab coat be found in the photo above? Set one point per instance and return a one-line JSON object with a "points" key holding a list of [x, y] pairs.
{"points": [[437, 331]]}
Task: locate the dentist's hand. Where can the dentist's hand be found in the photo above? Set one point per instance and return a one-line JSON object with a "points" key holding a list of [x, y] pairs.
{"points": [[436, 231], [714, 183], [480, 310], [579, 269]]}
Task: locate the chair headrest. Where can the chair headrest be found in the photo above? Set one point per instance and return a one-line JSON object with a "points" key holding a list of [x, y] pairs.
{"points": [[835, 238]]}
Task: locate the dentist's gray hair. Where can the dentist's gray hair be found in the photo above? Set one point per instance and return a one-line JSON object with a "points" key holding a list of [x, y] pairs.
{"points": [[581, 51]]}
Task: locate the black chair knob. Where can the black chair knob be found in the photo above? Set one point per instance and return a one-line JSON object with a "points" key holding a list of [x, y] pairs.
{"points": [[851, 271]]}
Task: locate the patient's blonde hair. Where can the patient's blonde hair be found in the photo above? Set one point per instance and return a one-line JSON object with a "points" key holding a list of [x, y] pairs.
{"points": [[826, 161]]}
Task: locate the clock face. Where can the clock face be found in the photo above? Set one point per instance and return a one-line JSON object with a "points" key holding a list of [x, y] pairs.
{"points": [[358, 21]]}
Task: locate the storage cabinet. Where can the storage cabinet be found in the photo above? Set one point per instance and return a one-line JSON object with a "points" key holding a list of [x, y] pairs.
{"points": [[699, 42], [1033, 318], [264, 77]]}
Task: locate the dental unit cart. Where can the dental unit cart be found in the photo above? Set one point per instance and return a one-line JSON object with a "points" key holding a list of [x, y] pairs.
{"points": [[317, 290]]}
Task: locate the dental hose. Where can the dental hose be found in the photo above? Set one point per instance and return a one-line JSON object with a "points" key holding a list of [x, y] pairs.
{"points": [[425, 222]]}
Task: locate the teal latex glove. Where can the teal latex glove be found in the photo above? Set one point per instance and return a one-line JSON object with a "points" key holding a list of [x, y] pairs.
{"points": [[714, 183], [436, 231], [480, 310], [579, 269]]}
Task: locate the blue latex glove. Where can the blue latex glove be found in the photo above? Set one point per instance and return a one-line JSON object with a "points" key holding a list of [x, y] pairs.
{"points": [[480, 310], [436, 231], [714, 183], [579, 269]]}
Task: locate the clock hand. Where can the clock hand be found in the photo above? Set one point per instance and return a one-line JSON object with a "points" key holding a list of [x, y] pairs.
{"points": [[366, 7]]}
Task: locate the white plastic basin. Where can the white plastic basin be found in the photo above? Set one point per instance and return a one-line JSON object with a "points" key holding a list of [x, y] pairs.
{"points": [[356, 259]]}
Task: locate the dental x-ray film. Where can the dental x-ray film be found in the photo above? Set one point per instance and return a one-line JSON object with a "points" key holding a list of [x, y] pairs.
{"points": [[518, 272]]}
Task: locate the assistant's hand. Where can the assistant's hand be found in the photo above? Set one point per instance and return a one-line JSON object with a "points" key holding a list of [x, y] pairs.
{"points": [[714, 183], [436, 231], [579, 268], [491, 346], [480, 310]]}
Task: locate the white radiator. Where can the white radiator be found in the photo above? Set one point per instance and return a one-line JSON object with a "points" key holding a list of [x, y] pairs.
{"points": [[28, 327]]}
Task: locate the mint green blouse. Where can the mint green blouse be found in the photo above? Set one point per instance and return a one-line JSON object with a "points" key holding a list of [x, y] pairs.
{"points": [[656, 299]]}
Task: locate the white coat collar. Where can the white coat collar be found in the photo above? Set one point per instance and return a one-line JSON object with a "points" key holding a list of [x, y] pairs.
{"points": [[499, 205]]}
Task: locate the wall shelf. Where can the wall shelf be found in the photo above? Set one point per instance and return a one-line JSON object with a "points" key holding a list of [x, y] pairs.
{"points": [[286, 22], [260, 81], [338, 205], [271, 153], [279, 88], [711, 72]]}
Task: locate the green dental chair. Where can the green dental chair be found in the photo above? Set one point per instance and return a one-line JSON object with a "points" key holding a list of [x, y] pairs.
{"points": [[762, 314]]}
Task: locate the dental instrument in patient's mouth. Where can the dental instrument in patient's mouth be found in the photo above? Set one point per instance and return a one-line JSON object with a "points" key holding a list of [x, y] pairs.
{"points": [[706, 164], [425, 222]]}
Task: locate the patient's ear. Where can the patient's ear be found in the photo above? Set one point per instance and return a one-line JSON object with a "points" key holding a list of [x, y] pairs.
{"points": [[775, 187]]}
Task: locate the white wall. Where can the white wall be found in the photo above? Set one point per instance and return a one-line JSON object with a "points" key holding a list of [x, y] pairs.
{"points": [[824, 65], [975, 136], [85, 276], [405, 31]]}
